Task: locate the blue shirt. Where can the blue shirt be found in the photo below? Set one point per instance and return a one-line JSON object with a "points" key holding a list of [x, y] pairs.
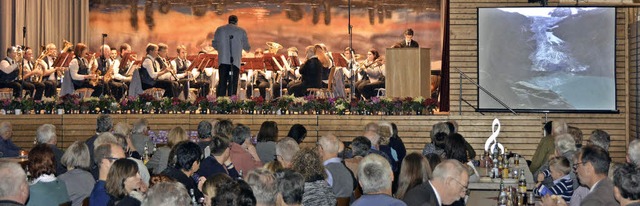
{"points": [[99, 195], [8, 148], [378, 199]]}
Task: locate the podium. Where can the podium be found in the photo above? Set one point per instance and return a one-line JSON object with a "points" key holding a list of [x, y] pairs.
{"points": [[408, 72]]}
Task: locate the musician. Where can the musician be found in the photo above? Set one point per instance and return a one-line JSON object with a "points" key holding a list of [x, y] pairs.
{"points": [[118, 82], [340, 81], [182, 64], [260, 80], [9, 69], [150, 72], [408, 39], [123, 50], [374, 69], [327, 63], [50, 74], [229, 40], [29, 75], [310, 71], [82, 71], [290, 73]]}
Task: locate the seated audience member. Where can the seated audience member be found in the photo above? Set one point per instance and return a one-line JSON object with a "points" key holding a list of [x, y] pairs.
{"points": [[372, 132], [316, 190], [157, 179], [626, 183], [592, 168], [224, 129], [414, 171], [186, 157], [439, 133], [454, 148], [298, 132], [267, 137], [453, 128], [167, 194], [236, 193], [46, 134], [633, 152], [45, 188], [285, 150], [564, 146], [559, 169], [434, 160], [375, 177], [243, 154], [205, 129], [140, 137], [105, 155], [448, 184], [545, 147], [263, 185], [133, 155], [395, 142], [360, 147], [339, 177], [104, 124], [14, 189], [273, 166], [576, 133], [78, 179], [385, 131], [160, 158], [219, 161], [7, 147], [290, 188], [124, 184], [600, 138], [122, 128], [212, 185]]}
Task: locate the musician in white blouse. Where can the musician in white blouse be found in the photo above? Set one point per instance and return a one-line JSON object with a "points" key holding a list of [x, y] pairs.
{"points": [[80, 69], [374, 68]]}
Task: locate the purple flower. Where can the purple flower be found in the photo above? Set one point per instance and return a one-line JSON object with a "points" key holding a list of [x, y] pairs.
{"points": [[234, 98], [375, 100]]}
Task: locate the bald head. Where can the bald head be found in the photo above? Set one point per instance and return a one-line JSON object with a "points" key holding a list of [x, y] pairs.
{"points": [[330, 144], [14, 183], [6, 130]]}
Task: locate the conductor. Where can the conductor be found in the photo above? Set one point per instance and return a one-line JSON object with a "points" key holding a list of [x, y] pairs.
{"points": [[229, 40]]}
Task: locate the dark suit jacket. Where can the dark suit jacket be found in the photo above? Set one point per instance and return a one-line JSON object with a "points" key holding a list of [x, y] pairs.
{"points": [[414, 43], [421, 195], [601, 195], [311, 72]]}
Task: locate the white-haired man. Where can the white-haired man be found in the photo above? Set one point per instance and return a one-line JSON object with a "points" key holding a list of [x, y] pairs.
{"points": [[449, 183], [285, 149], [339, 177], [14, 189], [46, 134], [633, 153], [7, 147], [375, 177]]}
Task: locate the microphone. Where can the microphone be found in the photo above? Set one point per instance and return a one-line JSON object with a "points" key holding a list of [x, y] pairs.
{"points": [[104, 35], [230, 36]]}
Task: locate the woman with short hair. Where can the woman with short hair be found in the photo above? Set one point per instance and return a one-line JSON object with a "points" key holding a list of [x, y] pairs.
{"points": [[45, 188], [78, 179]]}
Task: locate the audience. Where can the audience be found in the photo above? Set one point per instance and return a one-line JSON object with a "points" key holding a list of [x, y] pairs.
{"points": [[633, 152], [204, 135], [600, 138], [219, 161], [140, 137], [626, 183], [105, 155], [273, 166], [243, 153], [235, 193], [286, 148], [14, 189], [372, 132], [160, 158], [104, 124], [448, 184], [298, 132], [212, 185], [44, 188], [267, 137], [559, 169], [576, 133], [263, 185], [360, 147], [290, 188], [224, 129], [7, 147], [167, 194], [316, 190], [186, 157], [546, 147], [78, 179], [375, 177], [124, 184], [565, 146], [46, 134], [453, 128], [414, 171], [339, 177], [122, 128], [395, 142], [439, 133]]}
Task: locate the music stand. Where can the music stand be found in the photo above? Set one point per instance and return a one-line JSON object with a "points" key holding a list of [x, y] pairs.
{"points": [[338, 60], [126, 60]]}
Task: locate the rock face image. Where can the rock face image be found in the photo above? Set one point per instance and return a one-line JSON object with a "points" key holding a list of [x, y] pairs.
{"points": [[547, 59]]}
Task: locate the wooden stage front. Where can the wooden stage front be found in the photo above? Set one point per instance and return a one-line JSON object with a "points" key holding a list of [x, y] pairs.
{"points": [[520, 134]]}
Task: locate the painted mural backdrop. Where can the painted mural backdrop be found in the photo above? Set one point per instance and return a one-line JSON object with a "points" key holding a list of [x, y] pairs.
{"points": [[294, 23]]}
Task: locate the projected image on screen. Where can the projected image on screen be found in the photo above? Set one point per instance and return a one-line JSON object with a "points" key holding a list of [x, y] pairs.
{"points": [[538, 59]]}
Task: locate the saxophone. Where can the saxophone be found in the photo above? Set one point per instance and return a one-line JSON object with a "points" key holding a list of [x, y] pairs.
{"points": [[37, 78], [94, 71], [108, 75]]}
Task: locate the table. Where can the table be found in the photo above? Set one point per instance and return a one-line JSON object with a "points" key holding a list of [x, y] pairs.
{"points": [[496, 185]]}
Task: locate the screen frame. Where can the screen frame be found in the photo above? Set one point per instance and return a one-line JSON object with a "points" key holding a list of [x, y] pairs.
{"points": [[541, 110]]}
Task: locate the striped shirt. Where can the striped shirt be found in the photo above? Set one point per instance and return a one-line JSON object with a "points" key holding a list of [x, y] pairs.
{"points": [[562, 187]]}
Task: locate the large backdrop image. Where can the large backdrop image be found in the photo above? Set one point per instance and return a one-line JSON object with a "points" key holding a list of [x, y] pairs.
{"points": [[295, 23]]}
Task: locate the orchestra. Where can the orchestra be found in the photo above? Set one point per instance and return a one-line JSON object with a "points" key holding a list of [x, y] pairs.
{"points": [[84, 71]]}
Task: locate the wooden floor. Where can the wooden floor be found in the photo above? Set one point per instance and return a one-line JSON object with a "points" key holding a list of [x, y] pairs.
{"points": [[520, 134]]}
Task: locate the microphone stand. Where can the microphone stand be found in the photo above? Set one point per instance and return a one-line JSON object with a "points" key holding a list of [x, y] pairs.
{"points": [[230, 86], [351, 63]]}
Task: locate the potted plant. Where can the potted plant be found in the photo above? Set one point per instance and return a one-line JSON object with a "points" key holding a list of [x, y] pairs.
{"points": [[341, 106], [105, 103], [48, 104], [249, 105], [417, 105], [203, 104], [430, 104], [284, 102]]}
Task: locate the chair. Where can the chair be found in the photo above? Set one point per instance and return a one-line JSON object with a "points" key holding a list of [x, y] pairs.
{"points": [[342, 201], [324, 92], [6, 93], [381, 92], [156, 93], [83, 92]]}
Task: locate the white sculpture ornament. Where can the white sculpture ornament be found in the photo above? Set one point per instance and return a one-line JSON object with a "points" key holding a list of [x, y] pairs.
{"points": [[492, 142]]}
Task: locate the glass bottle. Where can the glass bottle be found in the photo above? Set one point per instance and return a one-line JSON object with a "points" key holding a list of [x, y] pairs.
{"points": [[522, 182]]}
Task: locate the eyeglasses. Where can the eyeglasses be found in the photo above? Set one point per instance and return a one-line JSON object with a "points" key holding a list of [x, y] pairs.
{"points": [[575, 165], [459, 183]]}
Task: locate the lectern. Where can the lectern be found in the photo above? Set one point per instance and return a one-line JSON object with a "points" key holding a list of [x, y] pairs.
{"points": [[408, 72]]}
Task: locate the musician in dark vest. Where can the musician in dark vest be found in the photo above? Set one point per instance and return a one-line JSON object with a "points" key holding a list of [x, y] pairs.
{"points": [[50, 74], [31, 76], [181, 64], [151, 70], [9, 69], [80, 67]]}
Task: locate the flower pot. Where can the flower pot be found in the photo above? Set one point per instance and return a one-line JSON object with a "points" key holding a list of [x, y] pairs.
{"points": [[48, 111], [61, 111], [203, 111], [18, 111], [3, 112]]}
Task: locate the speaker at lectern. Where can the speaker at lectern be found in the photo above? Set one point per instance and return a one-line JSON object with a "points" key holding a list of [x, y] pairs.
{"points": [[408, 72]]}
